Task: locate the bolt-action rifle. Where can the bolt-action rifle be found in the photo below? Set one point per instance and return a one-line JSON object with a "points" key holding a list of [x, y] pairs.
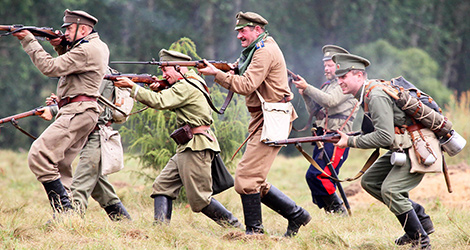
{"points": [[333, 138], [224, 66], [146, 79], [44, 32]]}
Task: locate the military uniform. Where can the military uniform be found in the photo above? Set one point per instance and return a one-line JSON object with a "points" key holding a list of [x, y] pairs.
{"points": [[387, 183], [338, 112], [81, 69], [266, 72], [87, 179], [191, 165]]}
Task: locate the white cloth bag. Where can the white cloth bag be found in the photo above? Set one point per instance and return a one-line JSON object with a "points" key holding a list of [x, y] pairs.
{"points": [[112, 154], [276, 123]]}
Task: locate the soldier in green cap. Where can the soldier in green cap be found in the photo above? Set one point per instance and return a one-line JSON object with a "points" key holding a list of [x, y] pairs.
{"points": [[81, 65], [386, 182], [333, 110], [191, 165], [261, 67]]}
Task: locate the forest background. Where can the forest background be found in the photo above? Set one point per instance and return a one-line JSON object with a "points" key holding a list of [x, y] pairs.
{"points": [[426, 41]]}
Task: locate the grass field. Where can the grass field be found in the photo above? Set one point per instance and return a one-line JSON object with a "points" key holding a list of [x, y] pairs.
{"points": [[24, 211]]}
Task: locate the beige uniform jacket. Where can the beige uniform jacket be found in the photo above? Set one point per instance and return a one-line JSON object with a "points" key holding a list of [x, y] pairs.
{"points": [[81, 69], [267, 73], [338, 106]]}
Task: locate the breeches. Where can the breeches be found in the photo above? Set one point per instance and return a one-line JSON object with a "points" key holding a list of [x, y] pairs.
{"points": [[88, 180], [391, 184], [318, 183], [52, 154], [191, 169], [253, 168]]}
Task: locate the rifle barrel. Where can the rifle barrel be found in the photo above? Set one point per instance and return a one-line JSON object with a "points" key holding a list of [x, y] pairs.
{"points": [[21, 115]]}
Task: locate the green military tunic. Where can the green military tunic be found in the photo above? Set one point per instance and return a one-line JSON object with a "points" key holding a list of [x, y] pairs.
{"points": [[387, 183], [191, 165], [81, 70], [337, 105]]}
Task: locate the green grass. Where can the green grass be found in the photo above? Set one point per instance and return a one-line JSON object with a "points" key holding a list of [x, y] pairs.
{"points": [[24, 211]]}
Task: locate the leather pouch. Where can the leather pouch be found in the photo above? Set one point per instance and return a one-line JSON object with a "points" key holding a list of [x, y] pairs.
{"points": [[182, 135]]}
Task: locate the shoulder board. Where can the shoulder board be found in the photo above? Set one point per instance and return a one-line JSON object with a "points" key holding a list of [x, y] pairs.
{"points": [[260, 44]]}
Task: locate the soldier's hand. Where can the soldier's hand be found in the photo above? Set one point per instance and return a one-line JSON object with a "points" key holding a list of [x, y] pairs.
{"points": [[21, 34], [56, 41], [300, 84], [124, 82], [46, 115], [209, 70], [154, 86], [51, 100], [343, 141]]}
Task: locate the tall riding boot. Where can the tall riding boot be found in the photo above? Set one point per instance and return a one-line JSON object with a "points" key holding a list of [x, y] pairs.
{"points": [[334, 204], [414, 230], [162, 209], [285, 206], [117, 212], [218, 213], [252, 212], [425, 222], [58, 197]]}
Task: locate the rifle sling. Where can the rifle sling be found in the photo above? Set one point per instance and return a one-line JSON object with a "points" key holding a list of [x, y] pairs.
{"points": [[208, 97], [372, 158], [15, 124], [110, 104]]}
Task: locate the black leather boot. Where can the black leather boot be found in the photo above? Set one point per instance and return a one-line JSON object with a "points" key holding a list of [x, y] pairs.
{"points": [[334, 204], [117, 212], [425, 222], [218, 213], [413, 228], [58, 197], [162, 209], [252, 212], [285, 206]]}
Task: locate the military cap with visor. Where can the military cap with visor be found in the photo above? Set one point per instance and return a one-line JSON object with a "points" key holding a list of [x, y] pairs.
{"points": [[329, 50], [78, 16], [171, 55], [347, 62], [249, 19]]}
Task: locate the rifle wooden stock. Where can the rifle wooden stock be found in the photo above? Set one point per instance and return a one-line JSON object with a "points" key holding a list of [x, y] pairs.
{"points": [[140, 78], [224, 66], [22, 115], [321, 138], [37, 31]]}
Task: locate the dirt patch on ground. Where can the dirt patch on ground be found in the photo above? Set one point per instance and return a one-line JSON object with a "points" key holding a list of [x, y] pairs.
{"points": [[432, 188]]}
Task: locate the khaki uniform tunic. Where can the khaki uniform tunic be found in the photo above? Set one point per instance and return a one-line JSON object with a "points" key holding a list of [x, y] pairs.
{"points": [[191, 165], [387, 183], [81, 70], [266, 73], [338, 106]]}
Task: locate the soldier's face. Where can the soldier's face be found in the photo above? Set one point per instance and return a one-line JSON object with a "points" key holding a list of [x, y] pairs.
{"points": [[170, 74], [248, 34], [329, 68], [351, 83]]}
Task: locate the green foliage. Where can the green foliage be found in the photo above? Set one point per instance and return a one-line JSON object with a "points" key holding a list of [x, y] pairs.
{"points": [[413, 64]]}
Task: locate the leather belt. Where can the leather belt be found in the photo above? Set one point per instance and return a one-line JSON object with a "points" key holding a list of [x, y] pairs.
{"points": [[414, 127], [254, 109], [79, 98], [202, 130]]}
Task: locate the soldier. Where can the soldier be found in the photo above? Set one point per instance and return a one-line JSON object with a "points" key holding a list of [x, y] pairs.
{"points": [[191, 165], [81, 65], [387, 183], [261, 67], [333, 110], [87, 179]]}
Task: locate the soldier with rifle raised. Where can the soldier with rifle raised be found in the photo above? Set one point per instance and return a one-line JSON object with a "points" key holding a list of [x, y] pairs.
{"points": [[333, 110], [81, 65]]}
